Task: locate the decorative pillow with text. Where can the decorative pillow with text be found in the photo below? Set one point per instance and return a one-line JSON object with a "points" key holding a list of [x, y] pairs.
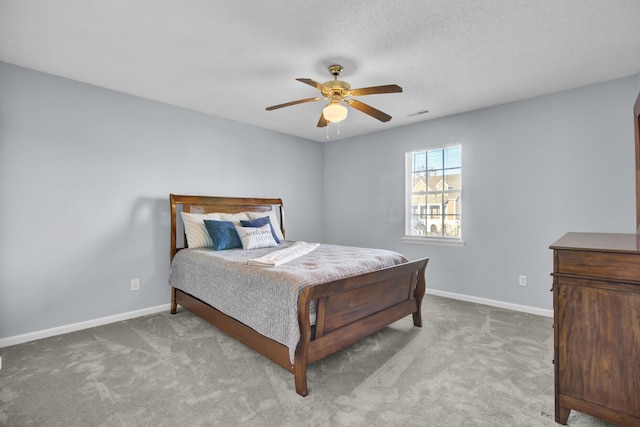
{"points": [[259, 222], [256, 237], [273, 217]]}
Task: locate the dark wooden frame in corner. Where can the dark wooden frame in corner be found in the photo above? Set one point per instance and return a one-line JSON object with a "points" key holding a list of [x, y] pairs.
{"points": [[347, 310], [636, 125]]}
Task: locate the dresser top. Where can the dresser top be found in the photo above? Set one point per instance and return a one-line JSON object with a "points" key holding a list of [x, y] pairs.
{"points": [[601, 242]]}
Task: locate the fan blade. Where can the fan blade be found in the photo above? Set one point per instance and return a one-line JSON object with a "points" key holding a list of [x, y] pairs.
{"points": [[319, 86], [322, 122], [376, 89], [367, 109], [287, 104]]}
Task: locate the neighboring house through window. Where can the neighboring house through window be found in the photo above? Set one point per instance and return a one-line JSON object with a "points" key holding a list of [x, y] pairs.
{"points": [[433, 193]]}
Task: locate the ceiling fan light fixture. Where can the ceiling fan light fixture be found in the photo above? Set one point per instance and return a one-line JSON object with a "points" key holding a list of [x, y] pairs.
{"points": [[337, 91], [335, 112]]}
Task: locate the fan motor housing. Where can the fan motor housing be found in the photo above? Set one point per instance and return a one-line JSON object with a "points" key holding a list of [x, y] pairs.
{"points": [[338, 87]]}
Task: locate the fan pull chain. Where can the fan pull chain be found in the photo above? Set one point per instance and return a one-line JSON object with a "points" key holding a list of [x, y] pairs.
{"points": [[337, 130]]}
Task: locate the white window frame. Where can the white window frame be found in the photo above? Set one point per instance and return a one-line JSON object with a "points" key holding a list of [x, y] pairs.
{"points": [[429, 240]]}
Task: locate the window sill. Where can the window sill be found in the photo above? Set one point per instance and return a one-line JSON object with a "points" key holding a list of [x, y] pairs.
{"points": [[417, 240]]}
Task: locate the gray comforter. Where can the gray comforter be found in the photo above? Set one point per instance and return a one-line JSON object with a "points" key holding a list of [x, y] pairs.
{"points": [[266, 298]]}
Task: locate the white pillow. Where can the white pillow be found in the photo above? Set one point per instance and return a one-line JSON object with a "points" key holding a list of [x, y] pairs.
{"points": [[272, 217], [197, 235], [256, 237]]}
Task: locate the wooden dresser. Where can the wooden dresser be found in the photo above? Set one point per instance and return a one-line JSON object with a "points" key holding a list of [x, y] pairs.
{"points": [[596, 302]]}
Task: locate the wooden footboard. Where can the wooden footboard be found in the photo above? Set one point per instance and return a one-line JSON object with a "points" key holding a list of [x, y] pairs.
{"points": [[353, 308]]}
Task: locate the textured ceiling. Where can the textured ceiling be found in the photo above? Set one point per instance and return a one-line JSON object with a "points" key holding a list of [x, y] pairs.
{"points": [[234, 58]]}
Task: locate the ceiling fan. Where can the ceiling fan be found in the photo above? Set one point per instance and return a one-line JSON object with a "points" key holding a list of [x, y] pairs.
{"points": [[338, 91]]}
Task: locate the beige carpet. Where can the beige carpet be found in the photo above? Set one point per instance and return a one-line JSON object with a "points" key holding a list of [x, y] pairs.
{"points": [[470, 365]]}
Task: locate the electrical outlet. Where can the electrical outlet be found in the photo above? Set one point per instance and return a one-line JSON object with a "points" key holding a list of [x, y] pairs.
{"points": [[135, 284], [522, 280]]}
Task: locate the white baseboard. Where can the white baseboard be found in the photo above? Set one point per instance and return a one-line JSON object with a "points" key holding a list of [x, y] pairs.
{"points": [[46, 333], [492, 303]]}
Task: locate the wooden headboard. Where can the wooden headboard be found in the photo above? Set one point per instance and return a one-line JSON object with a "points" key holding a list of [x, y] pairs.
{"points": [[205, 204]]}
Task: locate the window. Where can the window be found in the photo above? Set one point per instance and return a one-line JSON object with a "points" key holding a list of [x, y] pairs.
{"points": [[433, 194]]}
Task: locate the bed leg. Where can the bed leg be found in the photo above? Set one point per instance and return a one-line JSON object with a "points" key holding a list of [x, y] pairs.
{"points": [[174, 303], [417, 319], [300, 372], [302, 350], [419, 294]]}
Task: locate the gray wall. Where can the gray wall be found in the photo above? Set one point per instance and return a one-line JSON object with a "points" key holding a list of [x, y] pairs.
{"points": [[85, 175], [532, 170]]}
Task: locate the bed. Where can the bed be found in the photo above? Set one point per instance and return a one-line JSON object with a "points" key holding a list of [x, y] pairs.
{"points": [[327, 316]]}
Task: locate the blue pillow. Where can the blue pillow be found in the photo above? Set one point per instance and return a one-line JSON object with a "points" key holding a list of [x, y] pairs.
{"points": [[223, 234], [259, 222]]}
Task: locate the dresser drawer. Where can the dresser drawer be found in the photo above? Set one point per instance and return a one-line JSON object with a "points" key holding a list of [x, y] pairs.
{"points": [[607, 265]]}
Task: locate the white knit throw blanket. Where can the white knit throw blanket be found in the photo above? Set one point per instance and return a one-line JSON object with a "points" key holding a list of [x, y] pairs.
{"points": [[284, 255]]}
